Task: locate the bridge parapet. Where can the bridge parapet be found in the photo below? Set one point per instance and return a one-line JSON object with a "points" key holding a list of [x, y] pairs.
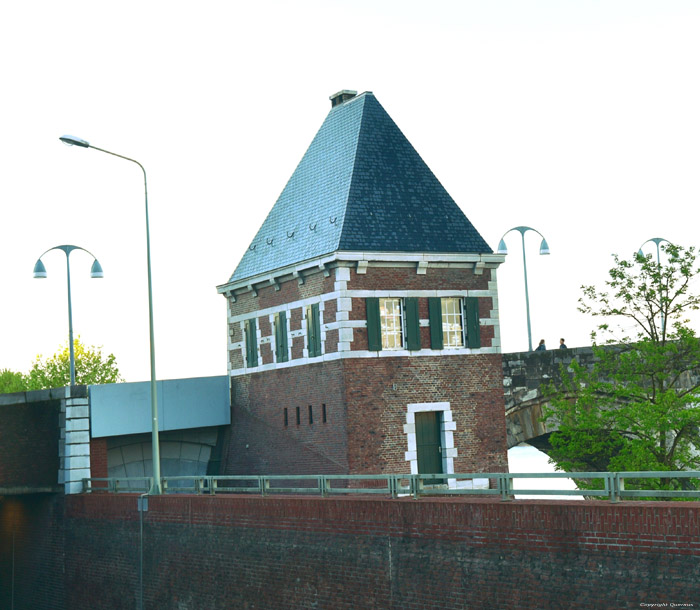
{"points": [[524, 373]]}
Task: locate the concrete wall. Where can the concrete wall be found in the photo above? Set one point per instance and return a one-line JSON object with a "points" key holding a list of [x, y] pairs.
{"points": [[348, 553], [118, 409]]}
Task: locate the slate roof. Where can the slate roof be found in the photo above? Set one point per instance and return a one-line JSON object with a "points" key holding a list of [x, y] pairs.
{"points": [[360, 186]]}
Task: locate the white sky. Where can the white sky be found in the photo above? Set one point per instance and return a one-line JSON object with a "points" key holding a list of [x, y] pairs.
{"points": [[580, 119]]}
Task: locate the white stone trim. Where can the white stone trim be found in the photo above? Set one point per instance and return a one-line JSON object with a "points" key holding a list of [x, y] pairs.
{"points": [[345, 297], [344, 352], [447, 429]]}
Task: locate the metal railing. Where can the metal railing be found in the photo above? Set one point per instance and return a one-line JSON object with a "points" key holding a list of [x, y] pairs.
{"points": [[397, 485]]}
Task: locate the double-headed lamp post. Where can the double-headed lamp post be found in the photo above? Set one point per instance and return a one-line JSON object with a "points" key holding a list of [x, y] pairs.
{"points": [[640, 252], [95, 272], [544, 249], [156, 488]]}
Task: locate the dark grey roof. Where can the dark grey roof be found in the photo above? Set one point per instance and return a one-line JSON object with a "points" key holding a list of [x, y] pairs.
{"points": [[361, 186]]}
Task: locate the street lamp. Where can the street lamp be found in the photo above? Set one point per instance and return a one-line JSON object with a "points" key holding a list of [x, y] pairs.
{"points": [[156, 488], [95, 272], [640, 252], [544, 249]]}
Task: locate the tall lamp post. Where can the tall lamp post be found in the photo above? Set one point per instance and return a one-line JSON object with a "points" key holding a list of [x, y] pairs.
{"points": [[156, 488], [640, 252], [95, 272], [544, 249]]}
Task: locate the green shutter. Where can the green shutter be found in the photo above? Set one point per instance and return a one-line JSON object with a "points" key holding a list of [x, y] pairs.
{"points": [[472, 322], [374, 330], [435, 317], [251, 343], [313, 323], [317, 328], [281, 344], [412, 323]]}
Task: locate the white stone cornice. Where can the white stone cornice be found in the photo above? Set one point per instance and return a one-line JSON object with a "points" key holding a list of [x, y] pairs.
{"points": [[335, 259]]}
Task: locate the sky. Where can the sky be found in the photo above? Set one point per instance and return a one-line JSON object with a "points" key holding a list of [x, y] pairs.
{"points": [[579, 119]]}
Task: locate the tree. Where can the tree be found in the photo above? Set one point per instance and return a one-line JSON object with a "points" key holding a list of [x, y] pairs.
{"points": [[11, 382], [91, 368], [638, 408]]}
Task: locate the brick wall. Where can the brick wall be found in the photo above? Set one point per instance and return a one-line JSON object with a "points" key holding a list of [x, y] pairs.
{"points": [[260, 442], [318, 285], [378, 390], [98, 457], [366, 406], [28, 442], [32, 552], [406, 278], [351, 553]]}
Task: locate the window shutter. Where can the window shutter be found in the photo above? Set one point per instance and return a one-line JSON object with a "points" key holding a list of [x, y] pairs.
{"points": [[251, 343], [281, 344], [472, 322], [317, 329], [313, 322], [435, 317], [374, 331], [412, 323]]}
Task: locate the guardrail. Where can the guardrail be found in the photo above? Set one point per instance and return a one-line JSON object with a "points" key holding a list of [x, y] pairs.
{"points": [[396, 485]]}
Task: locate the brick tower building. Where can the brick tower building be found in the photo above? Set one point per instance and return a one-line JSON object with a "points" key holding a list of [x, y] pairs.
{"points": [[363, 318]]}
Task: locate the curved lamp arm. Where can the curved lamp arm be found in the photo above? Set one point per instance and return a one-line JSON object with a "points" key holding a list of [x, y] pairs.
{"points": [[544, 250], [95, 272]]}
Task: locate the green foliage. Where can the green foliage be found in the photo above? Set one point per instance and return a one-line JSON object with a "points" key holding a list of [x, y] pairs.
{"points": [[638, 409], [91, 368], [11, 382]]}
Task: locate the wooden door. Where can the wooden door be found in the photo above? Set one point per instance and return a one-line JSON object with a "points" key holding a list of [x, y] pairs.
{"points": [[429, 444]]}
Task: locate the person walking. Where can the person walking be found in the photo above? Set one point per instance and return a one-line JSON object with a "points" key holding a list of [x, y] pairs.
{"points": [[541, 347], [562, 344]]}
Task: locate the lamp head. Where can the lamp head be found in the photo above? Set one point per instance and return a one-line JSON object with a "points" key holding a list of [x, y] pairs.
{"points": [[73, 141], [39, 270], [96, 270], [544, 248], [502, 247]]}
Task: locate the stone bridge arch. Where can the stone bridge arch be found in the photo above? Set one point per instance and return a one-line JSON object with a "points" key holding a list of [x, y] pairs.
{"points": [[524, 375]]}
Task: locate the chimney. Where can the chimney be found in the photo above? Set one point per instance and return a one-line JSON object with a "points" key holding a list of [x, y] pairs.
{"points": [[342, 96]]}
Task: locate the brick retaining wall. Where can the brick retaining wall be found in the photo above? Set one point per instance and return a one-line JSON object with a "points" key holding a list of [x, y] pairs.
{"points": [[264, 553]]}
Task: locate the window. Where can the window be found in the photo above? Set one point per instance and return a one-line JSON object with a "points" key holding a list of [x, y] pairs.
{"points": [[313, 330], [449, 318], [281, 343], [311, 414], [286, 417], [452, 324], [323, 410], [392, 323], [251, 343], [298, 416]]}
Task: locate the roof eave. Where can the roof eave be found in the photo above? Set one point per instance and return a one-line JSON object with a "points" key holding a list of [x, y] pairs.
{"points": [[322, 262]]}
